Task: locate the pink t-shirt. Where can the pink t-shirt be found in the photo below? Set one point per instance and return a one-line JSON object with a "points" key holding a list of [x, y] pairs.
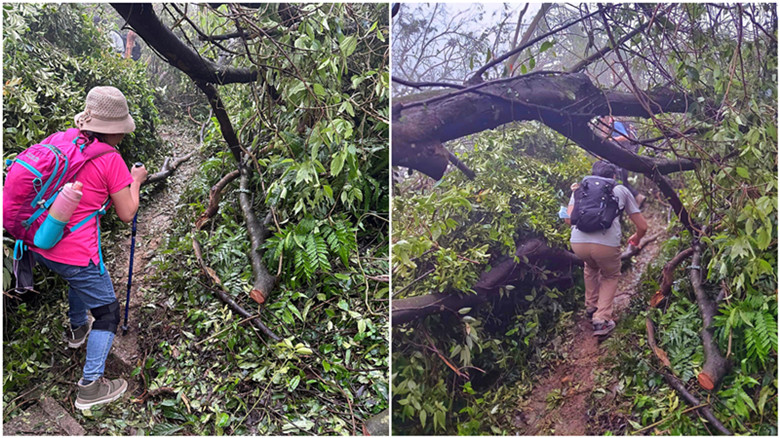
{"points": [[102, 177]]}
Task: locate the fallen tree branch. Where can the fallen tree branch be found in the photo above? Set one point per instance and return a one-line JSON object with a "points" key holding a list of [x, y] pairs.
{"points": [[145, 22], [564, 102], [462, 166], [715, 365], [227, 299], [215, 194], [263, 281], [632, 250], [668, 277], [228, 133], [692, 400], [678, 386], [658, 351], [167, 168]]}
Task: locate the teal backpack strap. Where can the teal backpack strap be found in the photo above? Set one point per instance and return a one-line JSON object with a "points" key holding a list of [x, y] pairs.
{"points": [[97, 214], [19, 249]]}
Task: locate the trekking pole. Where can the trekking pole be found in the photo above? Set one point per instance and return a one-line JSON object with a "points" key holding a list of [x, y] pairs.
{"points": [[132, 256]]}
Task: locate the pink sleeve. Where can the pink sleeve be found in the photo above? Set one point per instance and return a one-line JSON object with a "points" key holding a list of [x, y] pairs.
{"points": [[117, 174]]}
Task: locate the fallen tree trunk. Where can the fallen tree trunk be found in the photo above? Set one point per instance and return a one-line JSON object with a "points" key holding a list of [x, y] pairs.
{"points": [[534, 251], [715, 365], [564, 102]]}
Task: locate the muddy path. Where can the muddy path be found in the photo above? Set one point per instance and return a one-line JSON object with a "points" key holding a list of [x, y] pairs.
{"points": [[559, 401], [155, 217]]}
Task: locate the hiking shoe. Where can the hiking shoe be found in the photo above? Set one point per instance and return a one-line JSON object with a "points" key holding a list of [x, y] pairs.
{"points": [[590, 311], [603, 328], [77, 336], [99, 392]]}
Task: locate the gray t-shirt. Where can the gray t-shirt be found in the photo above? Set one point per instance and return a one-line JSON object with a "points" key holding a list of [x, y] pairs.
{"points": [[610, 236]]}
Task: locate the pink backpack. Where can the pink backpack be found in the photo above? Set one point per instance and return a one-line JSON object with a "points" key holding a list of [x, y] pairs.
{"points": [[36, 177]]}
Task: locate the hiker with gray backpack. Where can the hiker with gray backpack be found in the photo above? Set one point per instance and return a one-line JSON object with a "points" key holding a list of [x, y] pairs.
{"points": [[594, 209], [54, 195]]}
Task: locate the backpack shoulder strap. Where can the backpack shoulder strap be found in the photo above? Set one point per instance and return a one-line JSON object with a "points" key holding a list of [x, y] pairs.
{"points": [[92, 150]]}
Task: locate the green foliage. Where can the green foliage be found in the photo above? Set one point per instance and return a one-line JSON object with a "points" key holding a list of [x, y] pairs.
{"points": [[53, 55], [523, 174], [444, 236], [321, 157]]}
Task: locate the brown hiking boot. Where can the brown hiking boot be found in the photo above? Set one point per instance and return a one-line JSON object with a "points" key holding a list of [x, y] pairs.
{"points": [[99, 392], [76, 336]]}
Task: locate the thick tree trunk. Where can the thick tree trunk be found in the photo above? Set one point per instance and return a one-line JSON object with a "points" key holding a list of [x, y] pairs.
{"points": [[564, 102]]}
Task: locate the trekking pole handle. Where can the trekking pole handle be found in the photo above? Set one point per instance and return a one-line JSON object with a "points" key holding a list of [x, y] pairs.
{"points": [[138, 164]]}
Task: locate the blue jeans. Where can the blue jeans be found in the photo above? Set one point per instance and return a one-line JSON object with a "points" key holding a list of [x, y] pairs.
{"points": [[87, 289]]}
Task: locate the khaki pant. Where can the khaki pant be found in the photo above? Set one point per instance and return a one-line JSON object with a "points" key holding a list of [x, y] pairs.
{"points": [[602, 272]]}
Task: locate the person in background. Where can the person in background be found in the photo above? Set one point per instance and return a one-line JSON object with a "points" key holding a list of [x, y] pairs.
{"points": [[601, 251], [621, 133]]}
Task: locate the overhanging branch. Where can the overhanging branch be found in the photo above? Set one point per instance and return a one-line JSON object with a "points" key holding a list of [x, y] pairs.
{"points": [[144, 21]]}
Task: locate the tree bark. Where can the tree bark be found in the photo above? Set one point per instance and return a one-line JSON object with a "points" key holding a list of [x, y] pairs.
{"points": [[668, 277], [167, 169], [142, 18], [263, 281], [534, 251], [215, 194], [564, 102], [715, 365]]}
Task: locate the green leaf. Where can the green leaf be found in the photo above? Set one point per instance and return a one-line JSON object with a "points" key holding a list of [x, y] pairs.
{"points": [[223, 420], [336, 165], [348, 45], [464, 310], [741, 171], [319, 90], [294, 383], [546, 45]]}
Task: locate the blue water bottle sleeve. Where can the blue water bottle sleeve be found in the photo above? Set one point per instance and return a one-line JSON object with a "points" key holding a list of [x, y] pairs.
{"points": [[49, 233], [563, 213]]}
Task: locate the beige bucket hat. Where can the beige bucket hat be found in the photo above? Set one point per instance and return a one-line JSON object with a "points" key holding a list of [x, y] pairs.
{"points": [[105, 112]]}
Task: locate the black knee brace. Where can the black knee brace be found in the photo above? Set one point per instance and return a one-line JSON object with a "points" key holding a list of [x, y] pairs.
{"points": [[106, 317]]}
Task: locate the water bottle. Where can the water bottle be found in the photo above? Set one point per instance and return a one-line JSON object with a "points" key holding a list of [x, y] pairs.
{"points": [[563, 213], [60, 212]]}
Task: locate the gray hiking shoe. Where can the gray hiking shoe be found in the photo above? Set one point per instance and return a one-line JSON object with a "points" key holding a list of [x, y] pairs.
{"points": [[603, 328], [99, 392], [77, 336]]}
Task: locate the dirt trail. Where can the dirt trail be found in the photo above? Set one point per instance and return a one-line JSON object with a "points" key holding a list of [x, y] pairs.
{"points": [[558, 404], [155, 218]]}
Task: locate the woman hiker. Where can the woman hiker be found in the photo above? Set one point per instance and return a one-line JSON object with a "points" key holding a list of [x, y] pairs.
{"points": [[77, 257], [600, 250]]}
